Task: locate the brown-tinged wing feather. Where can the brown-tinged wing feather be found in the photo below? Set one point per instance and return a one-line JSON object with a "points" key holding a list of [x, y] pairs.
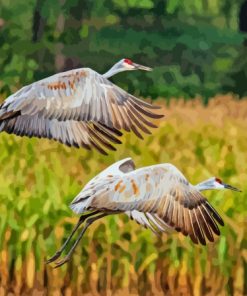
{"points": [[190, 213], [70, 133]]}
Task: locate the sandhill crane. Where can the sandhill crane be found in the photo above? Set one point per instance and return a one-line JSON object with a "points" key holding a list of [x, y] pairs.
{"points": [[159, 197], [80, 108]]}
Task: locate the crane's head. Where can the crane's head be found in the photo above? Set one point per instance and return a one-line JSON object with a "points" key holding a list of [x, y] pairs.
{"points": [[215, 183], [219, 184], [129, 65], [125, 65]]}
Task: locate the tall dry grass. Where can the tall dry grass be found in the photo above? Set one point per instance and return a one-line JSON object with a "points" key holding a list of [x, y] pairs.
{"points": [[38, 178]]}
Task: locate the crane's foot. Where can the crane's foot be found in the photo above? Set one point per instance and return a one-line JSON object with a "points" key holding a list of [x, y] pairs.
{"points": [[54, 257], [63, 261]]}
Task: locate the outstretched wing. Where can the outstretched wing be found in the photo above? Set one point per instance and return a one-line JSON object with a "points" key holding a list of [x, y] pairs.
{"points": [[163, 192], [76, 95], [71, 133]]}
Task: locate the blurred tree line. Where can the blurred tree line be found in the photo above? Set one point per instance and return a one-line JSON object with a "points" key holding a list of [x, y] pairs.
{"points": [[197, 47]]}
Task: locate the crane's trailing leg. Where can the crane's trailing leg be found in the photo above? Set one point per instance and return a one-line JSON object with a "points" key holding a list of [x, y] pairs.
{"points": [[88, 223], [80, 221]]}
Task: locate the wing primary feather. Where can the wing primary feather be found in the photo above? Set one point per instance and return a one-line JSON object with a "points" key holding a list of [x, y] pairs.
{"points": [[125, 118], [101, 140], [105, 115], [138, 123], [133, 127], [97, 147], [215, 214], [205, 226], [117, 113], [162, 206], [175, 216], [170, 213], [116, 120], [137, 133], [192, 232], [145, 112], [107, 134], [145, 104], [139, 116], [179, 218], [186, 224], [165, 215], [198, 228], [84, 145], [210, 220], [112, 129]]}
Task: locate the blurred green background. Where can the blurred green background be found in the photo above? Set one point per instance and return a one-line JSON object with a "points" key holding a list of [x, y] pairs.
{"points": [[196, 46], [198, 49]]}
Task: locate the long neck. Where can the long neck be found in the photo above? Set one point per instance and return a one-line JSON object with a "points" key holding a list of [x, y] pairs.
{"points": [[205, 185], [114, 70]]}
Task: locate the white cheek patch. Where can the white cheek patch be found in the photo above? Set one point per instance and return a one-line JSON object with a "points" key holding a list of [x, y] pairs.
{"points": [[218, 185], [128, 66]]}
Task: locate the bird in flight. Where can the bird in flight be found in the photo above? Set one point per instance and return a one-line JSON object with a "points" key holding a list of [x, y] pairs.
{"points": [[80, 108], [158, 197]]}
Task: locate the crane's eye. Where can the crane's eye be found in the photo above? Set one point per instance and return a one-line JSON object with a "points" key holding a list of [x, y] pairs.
{"points": [[218, 180], [128, 61]]}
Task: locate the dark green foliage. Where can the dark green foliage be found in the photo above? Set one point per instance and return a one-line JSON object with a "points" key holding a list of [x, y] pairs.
{"points": [[194, 48]]}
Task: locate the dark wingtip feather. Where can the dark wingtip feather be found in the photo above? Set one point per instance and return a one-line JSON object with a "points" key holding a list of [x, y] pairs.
{"points": [[136, 132], [86, 146], [145, 104], [215, 214], [106, 134], [98, 148], [194, 239], [112, 129], [146, 112], [198, 231], [210, 220]]}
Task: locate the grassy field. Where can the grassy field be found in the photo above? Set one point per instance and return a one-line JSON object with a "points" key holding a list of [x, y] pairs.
{"points": [[38, 179]]}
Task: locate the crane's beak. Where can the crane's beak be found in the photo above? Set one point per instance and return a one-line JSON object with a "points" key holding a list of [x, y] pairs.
{"points": [[231, 188], [140, 67]]}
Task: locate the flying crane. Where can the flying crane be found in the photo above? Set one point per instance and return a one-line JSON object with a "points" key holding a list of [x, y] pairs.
{"points": [[159, 197], [80, 108]]}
